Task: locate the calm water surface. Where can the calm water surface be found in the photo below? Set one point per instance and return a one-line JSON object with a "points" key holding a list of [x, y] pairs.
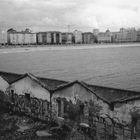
{"points": [[113, 67]]}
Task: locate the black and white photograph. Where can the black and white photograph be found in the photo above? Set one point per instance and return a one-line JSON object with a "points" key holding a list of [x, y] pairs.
{"points": [[69, 70]]}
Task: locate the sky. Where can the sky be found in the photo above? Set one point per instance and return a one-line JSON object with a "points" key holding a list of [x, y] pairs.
{"points": [[84, 15]]}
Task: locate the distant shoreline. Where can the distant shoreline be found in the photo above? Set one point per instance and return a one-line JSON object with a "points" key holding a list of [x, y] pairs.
{"points": [[31, 48]]}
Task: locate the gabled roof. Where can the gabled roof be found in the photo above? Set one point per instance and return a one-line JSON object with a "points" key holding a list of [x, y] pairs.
{"points": [[50, 83], [32, 77], [83, 85], [125, 100], [4, 78], [107, 94], [10, 77], [112, 94]]}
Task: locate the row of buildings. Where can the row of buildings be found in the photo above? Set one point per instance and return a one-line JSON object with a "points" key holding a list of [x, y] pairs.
{"points": [[77, 37], [42, 97], [50, 37]]}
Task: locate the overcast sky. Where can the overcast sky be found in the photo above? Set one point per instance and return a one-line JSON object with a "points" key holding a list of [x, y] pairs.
{"points": [[80, 14]]}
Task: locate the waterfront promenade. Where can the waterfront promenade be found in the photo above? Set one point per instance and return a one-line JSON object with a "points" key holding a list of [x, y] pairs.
{"points": [[30, 48]]}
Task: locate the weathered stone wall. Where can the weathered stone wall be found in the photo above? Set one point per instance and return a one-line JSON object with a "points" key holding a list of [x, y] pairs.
{"points": [[125, 111], [78, 92], [34, 107]]}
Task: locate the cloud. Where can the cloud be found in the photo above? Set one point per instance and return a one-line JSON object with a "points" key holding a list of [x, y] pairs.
{"points": [[80, 14]]}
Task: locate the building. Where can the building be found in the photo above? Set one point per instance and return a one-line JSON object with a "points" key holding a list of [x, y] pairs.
{"points": [[11, 36], [95, 32], [50, 37], [20, 38], [125, 35], [39, 38], [76, 95], [76, 100], [127, 111], [29, 84], [50, 83], [31, 96], [88, 38], [67, 38], [124, 103], [138, 35], [104, 37], [77, 37], [3, 37], [114, 37]]}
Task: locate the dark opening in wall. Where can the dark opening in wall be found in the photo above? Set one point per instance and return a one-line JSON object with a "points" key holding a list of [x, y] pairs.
{"points": [[12, 95], [112, 107], [81, 109], [27, 99], [59, 106], [27, 96]]}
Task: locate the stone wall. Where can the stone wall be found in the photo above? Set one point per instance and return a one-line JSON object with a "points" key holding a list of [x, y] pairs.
{"points": [[76, 93], [126, 110], [34, 107]]}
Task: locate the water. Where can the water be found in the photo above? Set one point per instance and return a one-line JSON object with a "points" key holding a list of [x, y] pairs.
{"points": [[113, 67]]}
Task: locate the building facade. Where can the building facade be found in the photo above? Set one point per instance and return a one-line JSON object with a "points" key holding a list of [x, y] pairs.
{"points": [[138, 35], [125, 35], [20, 38], [76, 100], [30, 96], [104, 37], [29, 84], [95, 32], [67, 38], [3, 37], [88, 38], [77, 37], [127, 112], [52, 37]]}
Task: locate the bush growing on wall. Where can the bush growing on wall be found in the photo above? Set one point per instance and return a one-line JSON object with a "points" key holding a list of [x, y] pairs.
{"points": [[73, 111], [94, 109]]}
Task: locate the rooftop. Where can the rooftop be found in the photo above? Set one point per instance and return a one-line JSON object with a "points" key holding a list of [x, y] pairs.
{"points": [[113, 94], [50, 83], [106, 93]]}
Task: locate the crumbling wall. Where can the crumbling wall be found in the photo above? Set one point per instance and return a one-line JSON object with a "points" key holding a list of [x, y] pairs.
{"points": [[124, 111], [34, 107], [76, 93]]}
